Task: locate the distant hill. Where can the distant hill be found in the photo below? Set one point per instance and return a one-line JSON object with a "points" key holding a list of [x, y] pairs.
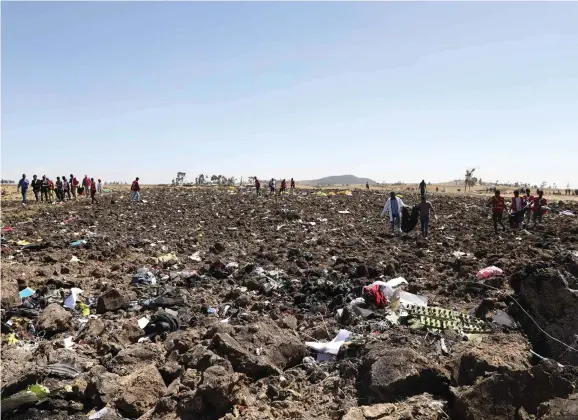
{"points": [[338, 180]]}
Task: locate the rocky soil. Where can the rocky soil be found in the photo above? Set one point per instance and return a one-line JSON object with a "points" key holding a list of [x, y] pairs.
{"points": [[242, 283]]}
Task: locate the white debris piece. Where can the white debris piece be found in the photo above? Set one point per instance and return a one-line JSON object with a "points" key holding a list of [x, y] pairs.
{"points": [[331, 348], [143, 322], [70, 301]]}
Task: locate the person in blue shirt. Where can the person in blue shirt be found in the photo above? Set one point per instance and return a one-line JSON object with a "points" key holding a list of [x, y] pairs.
{"points": [[23, 186]]}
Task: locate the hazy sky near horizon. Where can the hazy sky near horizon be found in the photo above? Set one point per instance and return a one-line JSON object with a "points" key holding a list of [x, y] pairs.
{"points": [[389, 91]]}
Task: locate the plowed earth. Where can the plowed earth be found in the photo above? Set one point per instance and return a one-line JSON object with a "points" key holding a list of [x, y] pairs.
{"points": [[252, 279]]}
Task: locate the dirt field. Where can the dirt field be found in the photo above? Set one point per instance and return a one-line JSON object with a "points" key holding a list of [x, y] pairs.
{"points": [[243, 283]]}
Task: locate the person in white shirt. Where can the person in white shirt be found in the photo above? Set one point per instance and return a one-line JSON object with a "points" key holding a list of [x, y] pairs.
{"points": [[393, 205], [99, 187], [517, 210]]}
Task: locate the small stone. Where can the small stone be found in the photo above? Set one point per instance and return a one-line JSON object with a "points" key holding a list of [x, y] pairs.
{"points": [[54, 319]]}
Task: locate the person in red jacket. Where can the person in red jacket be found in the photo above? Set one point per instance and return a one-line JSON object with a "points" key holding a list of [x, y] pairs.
{"points": [[539, 207], [73, 185], [86, 185], [283, 187], [498, 205], [135, 188]]}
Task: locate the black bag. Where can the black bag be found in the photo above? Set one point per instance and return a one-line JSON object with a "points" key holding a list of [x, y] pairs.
{"points": [[409, 221]]}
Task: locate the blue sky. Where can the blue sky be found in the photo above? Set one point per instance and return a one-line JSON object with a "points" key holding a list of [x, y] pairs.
{"points": [[391, 91]]}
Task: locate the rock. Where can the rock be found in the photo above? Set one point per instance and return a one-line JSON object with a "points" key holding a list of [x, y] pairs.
{"points": [[129, 332], [502, 394], [10, 296], [550, 297], [419, 407], [140, 391], [243, 301], [18, 369], [148, 353], [94, 328], [65, 270], [111, 300], [281, 348], [54, 318], [242, 361], [103, 386], [289, 322], [496, 353], [181, 340], [191, 378], [402, 372], [219, 246], [49, 258], [217, 389], [170, 371], [559, 409]]}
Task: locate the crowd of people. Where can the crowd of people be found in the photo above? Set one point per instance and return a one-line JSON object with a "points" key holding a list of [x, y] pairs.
{"points": [[63, 189], [273, 185], [523, 209], [48, 190]]}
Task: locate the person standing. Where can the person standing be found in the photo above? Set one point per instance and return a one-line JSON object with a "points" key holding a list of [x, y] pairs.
{"points": [[44, 188], [99, 187], [529, 198], [518, 208], [367, 186], [86, 185], [23, 187], [292, 186], [393, 206], [51, 189], [498, 204], [422, 188], [135, 188], [538, 209], [425, 208], [283, 187], [65, 188], [59, 189], [74, 185], [272, 186], [93, 190], [36, 187], [257, 186]]}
